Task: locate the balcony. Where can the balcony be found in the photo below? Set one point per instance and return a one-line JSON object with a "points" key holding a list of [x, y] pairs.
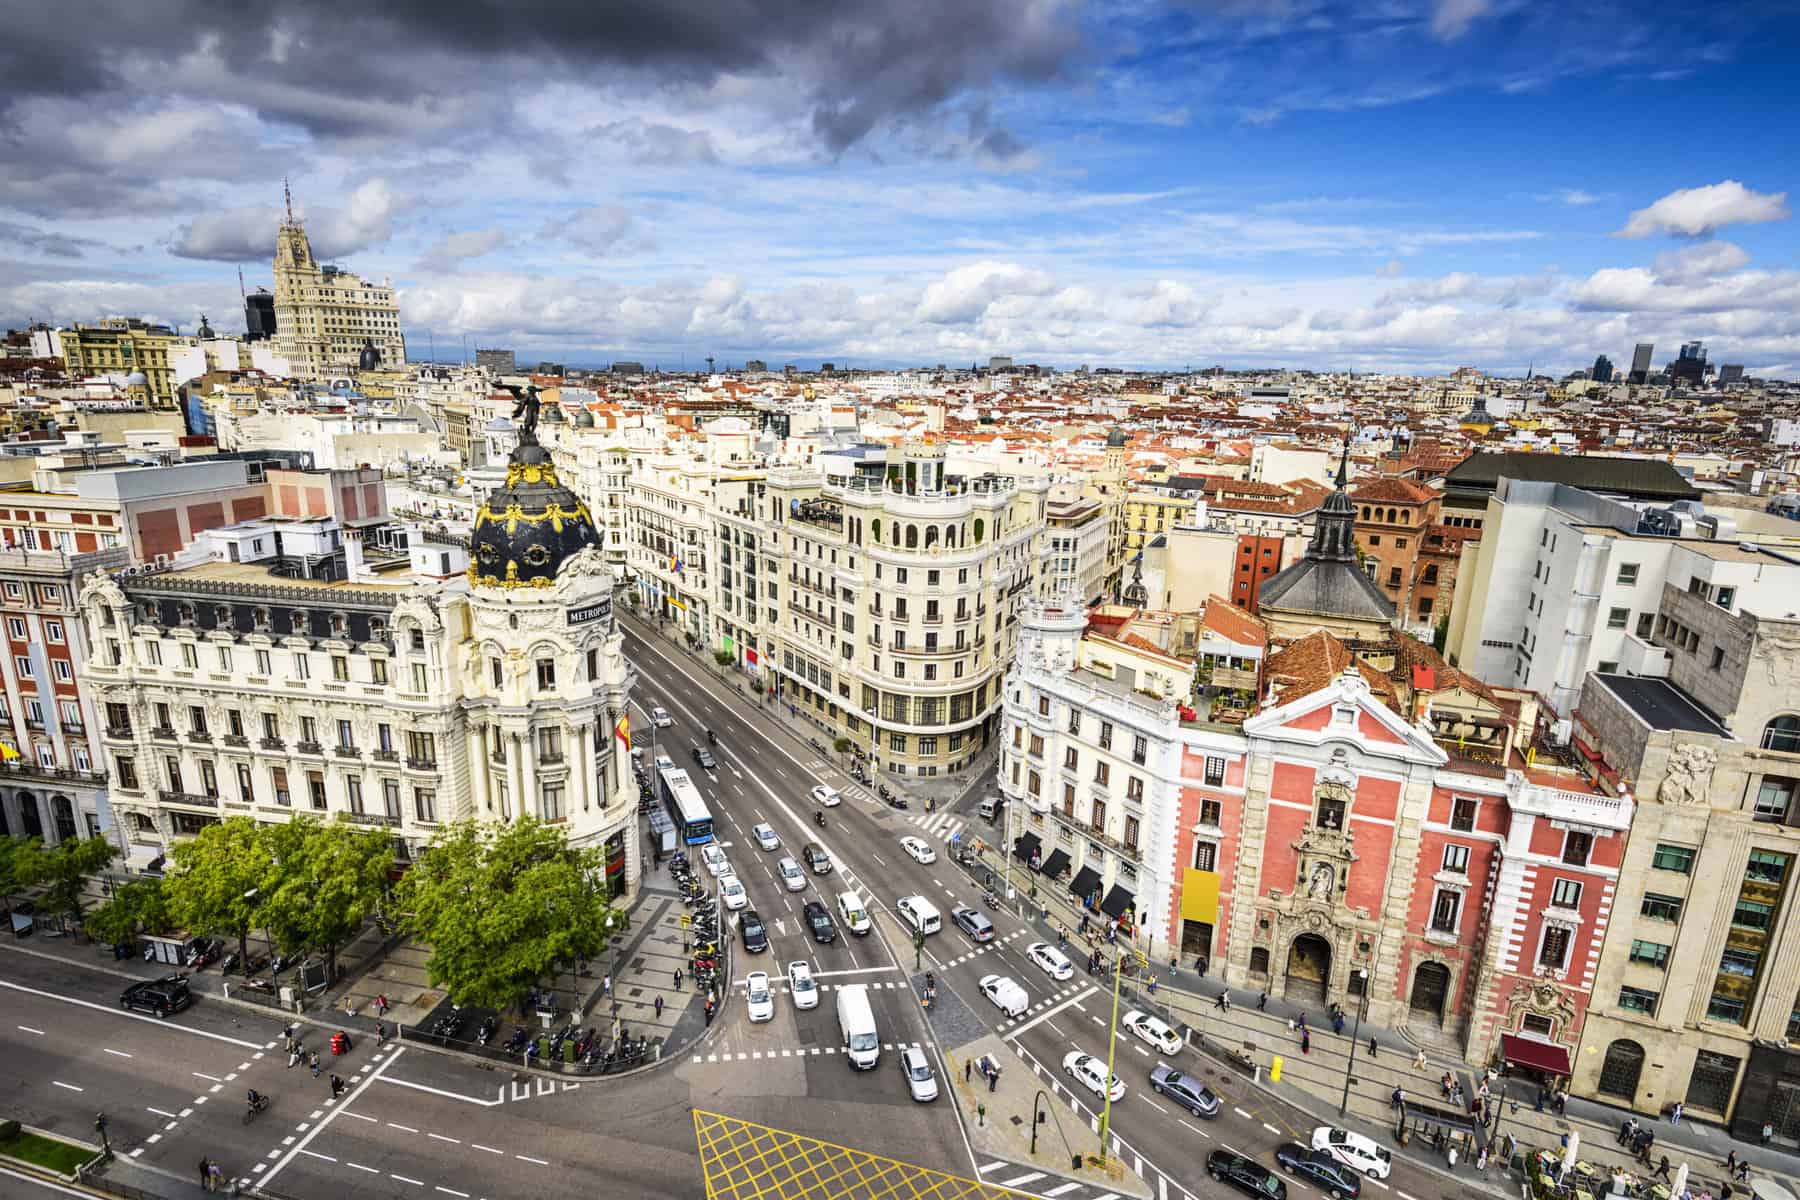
{"points": [[118, 731], [26, 769], [1592, 809], [74, 728], [309, 748], [347, 752], [199, 735], [385, 755], [369, 818], [421, 764], [269, 743], [235, 739], [165, 733], [553, 758], [191, 799]]}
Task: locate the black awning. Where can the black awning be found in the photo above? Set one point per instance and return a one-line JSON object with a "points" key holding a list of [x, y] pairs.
{"points": [[1025, 846], [1117, 902], [1056, 864], [1085, 883]]}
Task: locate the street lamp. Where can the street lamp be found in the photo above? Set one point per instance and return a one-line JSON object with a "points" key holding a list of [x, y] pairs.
{"points": [[1363, 975], [1112, 1042]]}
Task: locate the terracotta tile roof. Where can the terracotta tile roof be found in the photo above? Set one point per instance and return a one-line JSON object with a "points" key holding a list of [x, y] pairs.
{"points": [[1232, 623], [1303, 667], [1391, 490]]}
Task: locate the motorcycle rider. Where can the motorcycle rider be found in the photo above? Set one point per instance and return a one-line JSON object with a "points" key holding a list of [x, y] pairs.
{"points": [[256, 1099], [819, 817]]}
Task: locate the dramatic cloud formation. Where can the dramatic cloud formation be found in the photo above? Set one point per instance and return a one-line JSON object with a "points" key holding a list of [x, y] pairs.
{"points": [[248, 234], [1699, 211]]}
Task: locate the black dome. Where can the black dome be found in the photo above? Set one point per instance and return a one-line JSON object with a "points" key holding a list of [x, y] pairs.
{"points": [[370, 358], [529, 525]]}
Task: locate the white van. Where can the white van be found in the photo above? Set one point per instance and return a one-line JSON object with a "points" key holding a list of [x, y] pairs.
{"points": [[919, 913], [990, 808], [663, 762], [853, 914], [856, 1024]]}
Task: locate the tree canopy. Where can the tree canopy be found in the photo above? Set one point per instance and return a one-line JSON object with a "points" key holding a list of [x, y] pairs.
{"points": [[502, 905], [134, 905], [64, 869]]}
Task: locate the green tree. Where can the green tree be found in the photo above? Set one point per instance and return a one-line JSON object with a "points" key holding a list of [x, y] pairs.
{"points": [[330, 877], [135, 905], [216, 885], [502, 905], [64, 869], [12, 853]]}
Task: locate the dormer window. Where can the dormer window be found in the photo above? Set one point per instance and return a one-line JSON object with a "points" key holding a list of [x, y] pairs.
{"points": [[377, 628], [1344, 715], [297, 622], [187, 613], [150, 611], [340, 625], [263, 621]]}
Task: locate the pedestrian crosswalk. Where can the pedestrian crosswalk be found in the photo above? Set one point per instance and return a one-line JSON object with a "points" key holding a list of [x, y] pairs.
{"points": [[946, 826], [797, 1052]]}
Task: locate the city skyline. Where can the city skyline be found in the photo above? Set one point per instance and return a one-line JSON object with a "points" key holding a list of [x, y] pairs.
{"points": [[1411, 188]]}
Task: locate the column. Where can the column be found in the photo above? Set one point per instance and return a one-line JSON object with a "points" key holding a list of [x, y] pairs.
{"points": [[528, 797], [480, 791]]}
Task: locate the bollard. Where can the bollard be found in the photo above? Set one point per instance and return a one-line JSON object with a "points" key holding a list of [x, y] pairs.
{"points": [[980, 1114]]}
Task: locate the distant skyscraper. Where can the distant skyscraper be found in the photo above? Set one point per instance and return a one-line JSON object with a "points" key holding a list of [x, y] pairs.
{"points": [[1690, 365], [1730, 373], [1640, 362], [325, 316], [1694, 350], [259, 316], [1603, 370], [500, 362]]}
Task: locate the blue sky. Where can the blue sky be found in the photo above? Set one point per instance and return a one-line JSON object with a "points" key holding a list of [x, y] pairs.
{"points": [[1383, 186]]}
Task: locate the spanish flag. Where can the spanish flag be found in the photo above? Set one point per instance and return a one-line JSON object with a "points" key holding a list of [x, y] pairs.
{"points": [[622, 730]]}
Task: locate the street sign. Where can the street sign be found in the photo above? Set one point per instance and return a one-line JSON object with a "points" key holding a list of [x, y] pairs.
{"points": [[686, 920]]}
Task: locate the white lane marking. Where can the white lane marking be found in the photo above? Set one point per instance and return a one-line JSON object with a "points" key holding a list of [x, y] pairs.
{"points": [[1195, 1128], [404, 1179], [440, 1137], [205, 1076], [1016, 1180], [402, 1128], [359, 1117], [1271, 1129], [1153, 1104], [115, 1053], [159, 1112], [877, 858], [360, 1167], [107, 1008], [1379, 1184], [856, 971], [316, 1154], [489, 1149], [350, 1099], [1403, 1195], [452, 1192], [1067, 1187], [986, 1167], [407, 1083], [59, 1083], [527, 1158], [1240, 1112], [1048, 1013], [29, 1029]]}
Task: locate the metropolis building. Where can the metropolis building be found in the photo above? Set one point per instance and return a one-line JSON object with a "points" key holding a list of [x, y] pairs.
{"points": [[392, 677]]}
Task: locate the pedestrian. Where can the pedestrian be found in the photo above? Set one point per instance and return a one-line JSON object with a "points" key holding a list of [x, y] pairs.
{"points": [[1562, 1101], [1419, 1061], [293, 1053], [205, 1174], [1337, 1023], [1305, 1042], [1537, 1105], [1731, 1162], [1200, 966], [1675, 1113], [1303, 1022], [1374, 1048], [1725, 1189], [1174, 965], [337, 1087], [1768, 1134], [659, 1008], [1662, 1168], [993, 1078], [1153, 984], [381, 1004], [1062, 939], [1262, 1002], [1398, 1099], [709, 1010], [678, 979], [606, 985], [1624, 1133], [1444, 1085], [314, 1063], [968, 1070], [217, 1176], [380, 1035], [1220, 1002], [1226, 996]]}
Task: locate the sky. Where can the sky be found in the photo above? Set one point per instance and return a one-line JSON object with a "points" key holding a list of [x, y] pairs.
{"points": [[1388, 185]]}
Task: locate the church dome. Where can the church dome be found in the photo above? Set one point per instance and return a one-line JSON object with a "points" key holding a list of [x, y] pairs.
{"points": [[1116, 438], [583, 418], [530, 524], [370, 358]]}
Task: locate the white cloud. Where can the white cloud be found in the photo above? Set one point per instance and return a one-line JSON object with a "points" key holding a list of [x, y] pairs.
{"points": [[597, 229], [1450, 19], [1700, 261], [247, 234], [456, 248], [1699, 211], [966, 292]]}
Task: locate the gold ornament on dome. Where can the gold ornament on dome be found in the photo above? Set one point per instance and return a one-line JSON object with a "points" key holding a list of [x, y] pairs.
{"points": [[517, 473]]}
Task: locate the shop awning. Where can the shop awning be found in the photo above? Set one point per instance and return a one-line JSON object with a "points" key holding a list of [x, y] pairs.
{"points": [[1534, 1053], [140, 856], [1085, 883], [1117, 902], [1056, 864], [1025, 846]]}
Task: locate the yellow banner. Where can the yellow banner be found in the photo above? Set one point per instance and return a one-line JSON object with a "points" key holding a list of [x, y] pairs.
{"points": [[678, 604], [1200, 896]]}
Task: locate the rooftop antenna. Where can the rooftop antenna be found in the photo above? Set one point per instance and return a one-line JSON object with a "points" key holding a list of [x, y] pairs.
{"points": [[288, 198], [241, 295]]}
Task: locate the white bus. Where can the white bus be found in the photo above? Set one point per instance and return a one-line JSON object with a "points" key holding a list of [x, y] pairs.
{"points": [[693, 823]]}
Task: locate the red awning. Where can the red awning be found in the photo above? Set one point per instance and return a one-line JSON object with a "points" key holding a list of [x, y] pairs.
{"points": [[1535, 1053]]}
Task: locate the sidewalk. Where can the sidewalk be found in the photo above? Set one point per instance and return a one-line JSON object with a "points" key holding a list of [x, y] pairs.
{"points": [[1315, 1081], [941, 792]]}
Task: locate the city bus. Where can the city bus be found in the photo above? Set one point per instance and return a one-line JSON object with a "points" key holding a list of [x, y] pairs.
{"points": [[693, 823]]}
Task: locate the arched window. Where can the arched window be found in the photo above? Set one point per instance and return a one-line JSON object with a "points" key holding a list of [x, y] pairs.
{"points": [[980, 529], [1783, 734], [931, 536], [912, 537], [1620, 1070]]}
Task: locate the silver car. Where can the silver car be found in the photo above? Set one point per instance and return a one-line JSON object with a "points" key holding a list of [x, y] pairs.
{"points": [[791, 875], [920, 1079]]}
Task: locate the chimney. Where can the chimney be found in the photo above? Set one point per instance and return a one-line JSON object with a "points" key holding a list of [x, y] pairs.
{"points": [[354, 569]]}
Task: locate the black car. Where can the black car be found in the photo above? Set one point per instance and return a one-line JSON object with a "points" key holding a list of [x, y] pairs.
{"points": [[158, 997], [1246, 1175], [1184, 1090], [973, 923], [819, 921], [704, 757], [817, 861], [750, 929], [1320, 1169]]}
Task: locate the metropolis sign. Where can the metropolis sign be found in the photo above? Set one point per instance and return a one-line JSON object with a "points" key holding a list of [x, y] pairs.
{"points": [[599, 610]]}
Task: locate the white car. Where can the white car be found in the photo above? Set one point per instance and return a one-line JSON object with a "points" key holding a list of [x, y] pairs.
{"points": [[791, 875], [826, 797], [759, 999], [732, 892], [715, 860], [920, 1080], [659, 717], [800, 983], [765, 837], [1050, 960], [1090, 1072], [1006, 995], [1152, 1031], [918, 849], [1354, 1150]]}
